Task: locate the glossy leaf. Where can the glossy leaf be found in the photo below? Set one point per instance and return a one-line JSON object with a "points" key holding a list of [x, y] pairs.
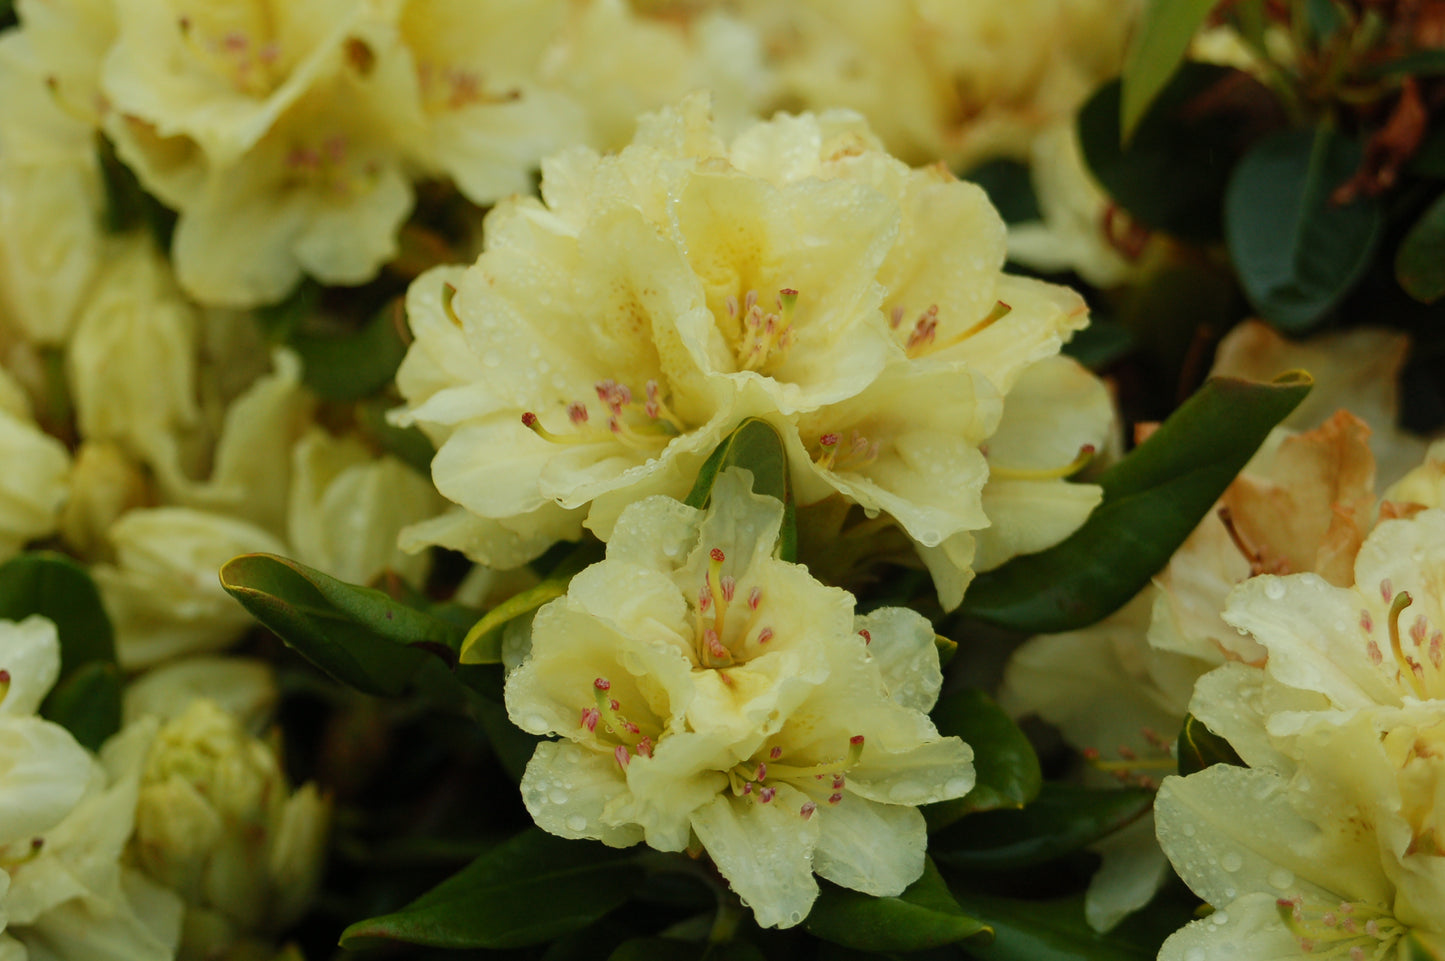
{"points": [[86, 698], [1063, 818], [359, 636], [1056, 930], [670, 949], [1199, 747], [530, 889], [346, 366], [923, 916], [54, 586], [1420, 261], [1172, 172], [1160, 41], [87, 702], [483, 642], [1298, 252], [756, 446], [1153, 498], [1006, 767]]}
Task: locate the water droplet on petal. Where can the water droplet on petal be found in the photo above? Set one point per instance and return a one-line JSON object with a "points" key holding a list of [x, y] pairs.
{"points": [[1231, 862], [576, 822], [1281, 878], [1274, 589]]}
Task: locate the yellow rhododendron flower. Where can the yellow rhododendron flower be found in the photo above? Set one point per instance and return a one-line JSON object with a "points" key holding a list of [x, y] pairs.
{"points": [[709, 695], [608, 338]]}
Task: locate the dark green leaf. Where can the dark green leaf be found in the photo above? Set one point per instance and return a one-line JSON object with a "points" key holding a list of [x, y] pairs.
{"points": [[1010, 188], [756, 446], [1324, 19], [1172, 173], [1056, 930], [86, 698], [1158, 46], [1420, 261], [1153, 498], [407, 444], [354, 364], [1003, 760], [1422, 63], [1063, 818], [483, 643], [1199, 747], [923, 916], [671, 949], [1100, 344], [1296, 251], [127, 205], [86, 702], [54, 586], [280, 320], [358, 635], [512, 745], [7, 14], [528, 890]]}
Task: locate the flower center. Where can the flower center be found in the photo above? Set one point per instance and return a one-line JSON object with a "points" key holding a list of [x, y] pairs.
{"points": [[243, 51], [641, 425], [834, 453], [751, 777], [921, 337], [763, 336], [329, 167], [1351, 930], [713, 645], [1133, 770], [446, 87], [625, 736], [1419, 654]]}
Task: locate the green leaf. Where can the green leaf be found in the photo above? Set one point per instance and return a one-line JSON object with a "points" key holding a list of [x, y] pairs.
{"points": [[923, 916], [756, 446], [530, 889], [354, 364], [1100, 344], [54, 586], [1422, 63], [127, 205], [1063, 818], [407, 444], [1297, 252], [1172, 172], [280, 321], [483, 643], [1324, 19], [672, 949], [1153, 499], [1420, 261], [358, 635], [1003, 760], [86, 698], [1056, 930], [1160, 41], [1010, 188], [1199, 747], [87, 702]]}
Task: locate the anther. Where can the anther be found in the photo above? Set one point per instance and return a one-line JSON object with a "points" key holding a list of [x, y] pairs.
{"points": [[644, 747], [762, 772], [867, 637], [765, 635], [775, 753], [766, 794], [623, 758], [590, 717], [807, 810], [834, 798], [754, 597]]}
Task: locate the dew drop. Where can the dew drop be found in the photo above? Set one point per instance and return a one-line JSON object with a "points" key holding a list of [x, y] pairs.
{"points": [[1220, 917], [1281, 878], [1274, 589], [906, 792], [536, 723], [1231, 862], [557, 796], [576, 822], [1189, 830], [794, 918], [1194, 954], [958, 786]]}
